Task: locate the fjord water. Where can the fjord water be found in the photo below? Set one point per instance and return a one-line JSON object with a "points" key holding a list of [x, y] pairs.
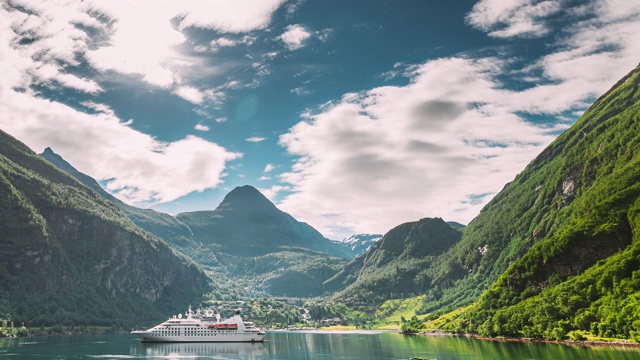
{"points": [[302, 345]]}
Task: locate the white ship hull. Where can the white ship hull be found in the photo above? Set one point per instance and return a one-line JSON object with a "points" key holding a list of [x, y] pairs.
{"points": [[197, 327], [151, 336]]}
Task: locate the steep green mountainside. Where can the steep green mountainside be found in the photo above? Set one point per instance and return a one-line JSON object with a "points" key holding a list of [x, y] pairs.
{"points": [[390, 268], [246, 242], [160, 224], [68, 256], [570, 217], [580, 205]]}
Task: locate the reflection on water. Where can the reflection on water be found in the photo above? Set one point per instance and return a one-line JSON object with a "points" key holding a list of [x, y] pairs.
{"points": [[303, 345], [244, 350]]}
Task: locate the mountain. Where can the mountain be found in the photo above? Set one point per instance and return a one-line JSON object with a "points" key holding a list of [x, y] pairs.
{"points": [[69, 256], [569, 226], [245, 240], [359, 243], [555, 254], [160, 224], [246, 223], [391, 267], [456, 225], [255, 241]]}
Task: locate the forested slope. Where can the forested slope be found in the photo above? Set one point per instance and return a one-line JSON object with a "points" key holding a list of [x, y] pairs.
{"points": [[584, 275], [68, 256]]}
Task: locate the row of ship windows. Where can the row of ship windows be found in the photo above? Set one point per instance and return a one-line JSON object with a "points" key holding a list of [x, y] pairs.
{"points": [[194, 332], [191, 328]]}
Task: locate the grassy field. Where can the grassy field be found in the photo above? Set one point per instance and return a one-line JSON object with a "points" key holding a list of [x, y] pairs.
{"points": [[392, 312]]}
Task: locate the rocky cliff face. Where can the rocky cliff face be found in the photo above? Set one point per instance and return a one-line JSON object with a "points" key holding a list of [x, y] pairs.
{"points": [[67, 255]]}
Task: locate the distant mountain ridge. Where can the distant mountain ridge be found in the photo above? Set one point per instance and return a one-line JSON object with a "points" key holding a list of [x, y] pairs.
{"points": [[359, 243], [246, 223], [246, 238]]}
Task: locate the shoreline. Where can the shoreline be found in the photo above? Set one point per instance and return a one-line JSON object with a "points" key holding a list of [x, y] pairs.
{"points": [[619, 343]]}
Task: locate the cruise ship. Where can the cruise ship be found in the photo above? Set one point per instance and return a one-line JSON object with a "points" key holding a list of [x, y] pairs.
{"points": [[199, 327]]}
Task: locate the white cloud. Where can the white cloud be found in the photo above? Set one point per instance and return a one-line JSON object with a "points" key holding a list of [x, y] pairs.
{"points": [[271, 192], [130, 38], [382, 157], [222, 42], [201, 49], [294, 36], [301, 91], [447, 142], [521, 18], [201, 127], [255, 139], [138, 168], [135, 165], [264, 178], [228, 16], [99, 108], [268, 168], [190, 94]]}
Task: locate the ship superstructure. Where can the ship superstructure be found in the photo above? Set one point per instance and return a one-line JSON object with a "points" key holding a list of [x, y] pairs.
{"points": [[202, 327]]}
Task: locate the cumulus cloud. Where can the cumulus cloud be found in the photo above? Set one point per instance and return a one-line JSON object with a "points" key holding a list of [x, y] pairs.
{"points": [[294, 36], [190, 94], [136, 167], [389, 155], [109, 35], [202, 127], [268, 168], [448, 141], [228, 16], [519, 18]]}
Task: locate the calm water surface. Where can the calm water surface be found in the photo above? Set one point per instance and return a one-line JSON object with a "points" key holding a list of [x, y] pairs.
{"points": [[301, 345]]}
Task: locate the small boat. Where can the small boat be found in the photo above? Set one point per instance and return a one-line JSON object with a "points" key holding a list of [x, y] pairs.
{"points": [[198, 327]]}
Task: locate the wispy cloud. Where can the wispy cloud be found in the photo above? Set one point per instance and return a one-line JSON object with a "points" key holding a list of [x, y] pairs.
{"points": [[301, 91], [255, 139], [268, 168], [222, 42], [272, 192]]}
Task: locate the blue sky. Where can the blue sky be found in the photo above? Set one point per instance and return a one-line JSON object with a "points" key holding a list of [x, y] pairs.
{"points": [[354, 116]]}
